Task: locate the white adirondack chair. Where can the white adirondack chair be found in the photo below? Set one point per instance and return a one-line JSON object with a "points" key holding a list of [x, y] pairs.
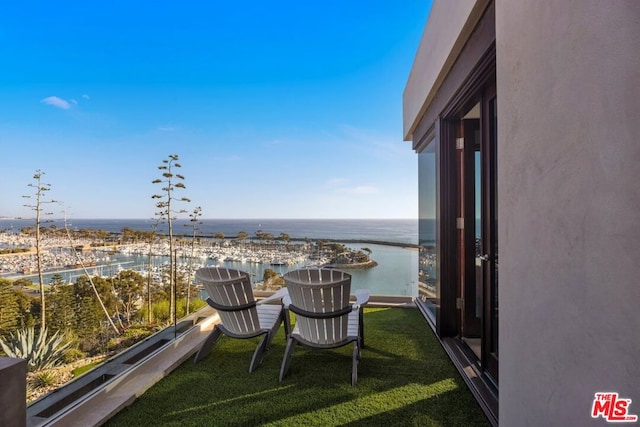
{"points": [[231, 294], [325, 317]]}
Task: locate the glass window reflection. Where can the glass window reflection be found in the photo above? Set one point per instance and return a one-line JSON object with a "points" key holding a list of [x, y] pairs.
{"points": [[427, 229]]}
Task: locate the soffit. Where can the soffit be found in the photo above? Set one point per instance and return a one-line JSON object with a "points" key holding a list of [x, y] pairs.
{"points": [[448, 28]]}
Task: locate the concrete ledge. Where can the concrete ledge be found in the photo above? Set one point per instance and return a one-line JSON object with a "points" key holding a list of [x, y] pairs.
{"points": [[125, 377], [391, 301]]}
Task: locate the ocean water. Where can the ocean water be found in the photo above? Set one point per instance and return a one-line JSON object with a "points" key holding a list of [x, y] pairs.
{"points": [[391, 230], [396, 273]]}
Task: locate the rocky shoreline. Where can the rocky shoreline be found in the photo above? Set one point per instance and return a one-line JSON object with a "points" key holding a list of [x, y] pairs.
{"points": [[353, 266]]}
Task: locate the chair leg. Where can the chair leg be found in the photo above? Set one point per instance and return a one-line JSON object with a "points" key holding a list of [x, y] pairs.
{"points": [[286, 360], [208, 344], [287, 322], [361, 326], [258, 355], [274, 331], [354, 366]]}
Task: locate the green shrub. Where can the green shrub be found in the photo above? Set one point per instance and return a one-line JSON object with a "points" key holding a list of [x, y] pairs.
{"points": [[72, 354], [196, 305], [90, 344], [160, 311], [138, 332], [130, 337]]}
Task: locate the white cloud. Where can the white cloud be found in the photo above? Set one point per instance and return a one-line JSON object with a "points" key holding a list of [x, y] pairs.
{"points": [[56, 102], [85, 96], [166, 129]]}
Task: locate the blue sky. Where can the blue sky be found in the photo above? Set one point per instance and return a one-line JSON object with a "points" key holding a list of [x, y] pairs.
{"points": [[277, 109]]}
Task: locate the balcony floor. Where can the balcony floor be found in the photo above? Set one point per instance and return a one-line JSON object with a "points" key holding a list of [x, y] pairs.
{"points": [[404, 378]]}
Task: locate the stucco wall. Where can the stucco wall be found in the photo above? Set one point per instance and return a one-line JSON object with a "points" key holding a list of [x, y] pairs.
{"points": [[448, 28], [568, 78]]}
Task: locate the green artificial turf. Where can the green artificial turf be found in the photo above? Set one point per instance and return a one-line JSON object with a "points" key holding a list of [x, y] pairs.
{"points": [[404, 378]]}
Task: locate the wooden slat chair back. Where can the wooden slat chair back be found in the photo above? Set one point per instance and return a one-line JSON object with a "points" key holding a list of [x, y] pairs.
{"points": [[231, 288], [325, 317], [241, 316], [321, 291]]}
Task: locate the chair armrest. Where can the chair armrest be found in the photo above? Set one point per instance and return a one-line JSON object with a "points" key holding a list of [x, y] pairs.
{"points": [[279, 294], [286, 301], [362, 297]]}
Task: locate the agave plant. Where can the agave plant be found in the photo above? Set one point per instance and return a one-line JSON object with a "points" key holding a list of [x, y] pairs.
{"points": [[41, 352]]}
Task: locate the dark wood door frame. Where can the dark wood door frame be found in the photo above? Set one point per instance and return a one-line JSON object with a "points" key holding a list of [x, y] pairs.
{"points": [[472, 324], [490, 244]]}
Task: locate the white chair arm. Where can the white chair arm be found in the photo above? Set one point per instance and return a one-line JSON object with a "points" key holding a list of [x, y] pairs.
{"points": [[362, 297], [286, 301], [279, 294]]}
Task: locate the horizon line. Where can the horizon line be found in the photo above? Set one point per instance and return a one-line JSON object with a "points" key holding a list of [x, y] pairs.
{"points": [[205, 219]]}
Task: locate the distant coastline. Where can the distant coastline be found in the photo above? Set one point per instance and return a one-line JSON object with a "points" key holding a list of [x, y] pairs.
{"points": [[372, 242], [400, 232]]}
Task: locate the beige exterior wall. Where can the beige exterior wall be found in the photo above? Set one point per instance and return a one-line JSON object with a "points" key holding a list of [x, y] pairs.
{"points": [[448, 28], [568, 80]]}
